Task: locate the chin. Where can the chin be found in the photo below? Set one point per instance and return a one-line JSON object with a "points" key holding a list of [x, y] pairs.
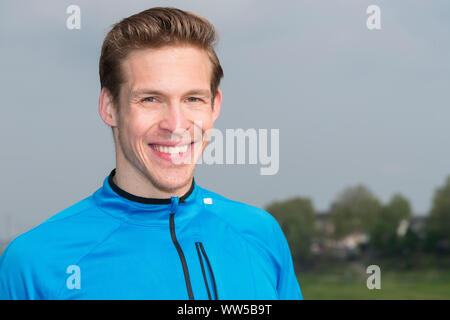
{"points": [[173, 181]]}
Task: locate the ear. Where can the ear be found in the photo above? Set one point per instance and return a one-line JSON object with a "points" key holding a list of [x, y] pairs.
{"points": [[107, 109], [216, 105]]}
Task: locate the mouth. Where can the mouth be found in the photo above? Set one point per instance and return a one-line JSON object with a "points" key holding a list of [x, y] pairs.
{"points": [[176, 154], [171, 150]]}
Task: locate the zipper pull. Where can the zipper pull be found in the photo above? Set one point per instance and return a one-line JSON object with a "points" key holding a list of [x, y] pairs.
{"points": [[174, 204]]}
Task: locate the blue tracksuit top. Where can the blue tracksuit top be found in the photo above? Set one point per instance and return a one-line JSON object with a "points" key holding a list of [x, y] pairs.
{"points": [[114, 245]]}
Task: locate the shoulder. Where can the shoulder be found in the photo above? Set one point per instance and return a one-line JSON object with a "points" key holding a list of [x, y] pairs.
{"points": [[255, 227], [246, 219], [59, 241], [237, 211], [40, 235], [75, 221], [78, 223]]}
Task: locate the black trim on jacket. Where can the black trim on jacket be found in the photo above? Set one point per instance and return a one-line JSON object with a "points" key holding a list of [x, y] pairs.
{"points": [[144, 200]]}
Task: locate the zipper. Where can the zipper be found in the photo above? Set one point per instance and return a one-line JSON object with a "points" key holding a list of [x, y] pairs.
{"points": [[200, 247], [182, 258], [200, 251], [203, 270]]}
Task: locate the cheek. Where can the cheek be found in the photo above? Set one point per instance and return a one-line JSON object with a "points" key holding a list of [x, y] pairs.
{"points": [[206, 131], [203, 120], [202, 128], [138, 124]]}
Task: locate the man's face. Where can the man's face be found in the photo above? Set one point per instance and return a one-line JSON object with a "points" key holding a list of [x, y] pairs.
{"points": [[165, 110]]}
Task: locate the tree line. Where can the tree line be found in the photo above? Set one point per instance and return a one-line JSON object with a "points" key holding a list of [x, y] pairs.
{"points": [[357, 210]]}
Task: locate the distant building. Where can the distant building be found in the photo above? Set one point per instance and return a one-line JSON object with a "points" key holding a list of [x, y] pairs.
{"points": [[323, 224], [352, 243]]}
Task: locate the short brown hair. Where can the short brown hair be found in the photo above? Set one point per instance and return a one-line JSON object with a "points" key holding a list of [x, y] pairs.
{"points": [[155, 28]]}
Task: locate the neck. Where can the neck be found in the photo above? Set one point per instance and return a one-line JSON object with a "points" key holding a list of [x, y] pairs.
{"points": [[140, 186], [144, 200]]}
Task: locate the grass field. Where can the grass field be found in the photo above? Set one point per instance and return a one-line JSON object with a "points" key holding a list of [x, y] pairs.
{"points": [[349, 282]]}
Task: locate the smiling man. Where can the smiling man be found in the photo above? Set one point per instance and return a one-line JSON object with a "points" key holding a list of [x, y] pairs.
{"points": [[164, 106], [150, 231]]}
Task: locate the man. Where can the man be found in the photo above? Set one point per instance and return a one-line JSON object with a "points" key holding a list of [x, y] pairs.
{"points": [[151, 232]]}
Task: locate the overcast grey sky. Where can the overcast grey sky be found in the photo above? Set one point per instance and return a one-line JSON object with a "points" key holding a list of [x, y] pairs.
{"points": [[352, 105]]}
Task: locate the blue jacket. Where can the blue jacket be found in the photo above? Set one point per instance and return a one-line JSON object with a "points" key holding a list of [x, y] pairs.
{"points": [[114, 245]]}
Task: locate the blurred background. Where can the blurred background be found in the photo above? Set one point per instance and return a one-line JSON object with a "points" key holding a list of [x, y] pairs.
{"points": [[363, 115]]}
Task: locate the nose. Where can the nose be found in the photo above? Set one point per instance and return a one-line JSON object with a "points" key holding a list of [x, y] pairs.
{"points": [[174, 119]]}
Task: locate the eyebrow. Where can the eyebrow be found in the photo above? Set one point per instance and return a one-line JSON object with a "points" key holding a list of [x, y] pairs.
{"points": [[141, 92]]}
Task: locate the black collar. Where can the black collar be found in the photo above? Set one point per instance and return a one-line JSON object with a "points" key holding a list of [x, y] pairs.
{"points": [[132, 197]]}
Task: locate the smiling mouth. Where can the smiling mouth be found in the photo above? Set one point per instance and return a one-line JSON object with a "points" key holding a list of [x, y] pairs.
{"points": [[172, 150]]}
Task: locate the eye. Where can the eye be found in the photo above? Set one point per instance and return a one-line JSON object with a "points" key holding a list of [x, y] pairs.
{"points": [[193, 99], [149, 99]]}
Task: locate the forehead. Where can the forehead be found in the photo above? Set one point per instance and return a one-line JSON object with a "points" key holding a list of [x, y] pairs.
{"points": [[171, 69]]}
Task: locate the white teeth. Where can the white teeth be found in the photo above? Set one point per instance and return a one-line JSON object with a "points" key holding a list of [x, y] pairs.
{"points": [[166, 149]]}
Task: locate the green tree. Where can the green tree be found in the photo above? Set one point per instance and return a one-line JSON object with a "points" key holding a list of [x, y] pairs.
{"points": [[296, 217], [356, 209], [438, 222], [385, 236]]}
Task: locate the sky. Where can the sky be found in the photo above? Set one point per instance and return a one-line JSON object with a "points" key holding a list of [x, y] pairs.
{"points": [[352, 105]]}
